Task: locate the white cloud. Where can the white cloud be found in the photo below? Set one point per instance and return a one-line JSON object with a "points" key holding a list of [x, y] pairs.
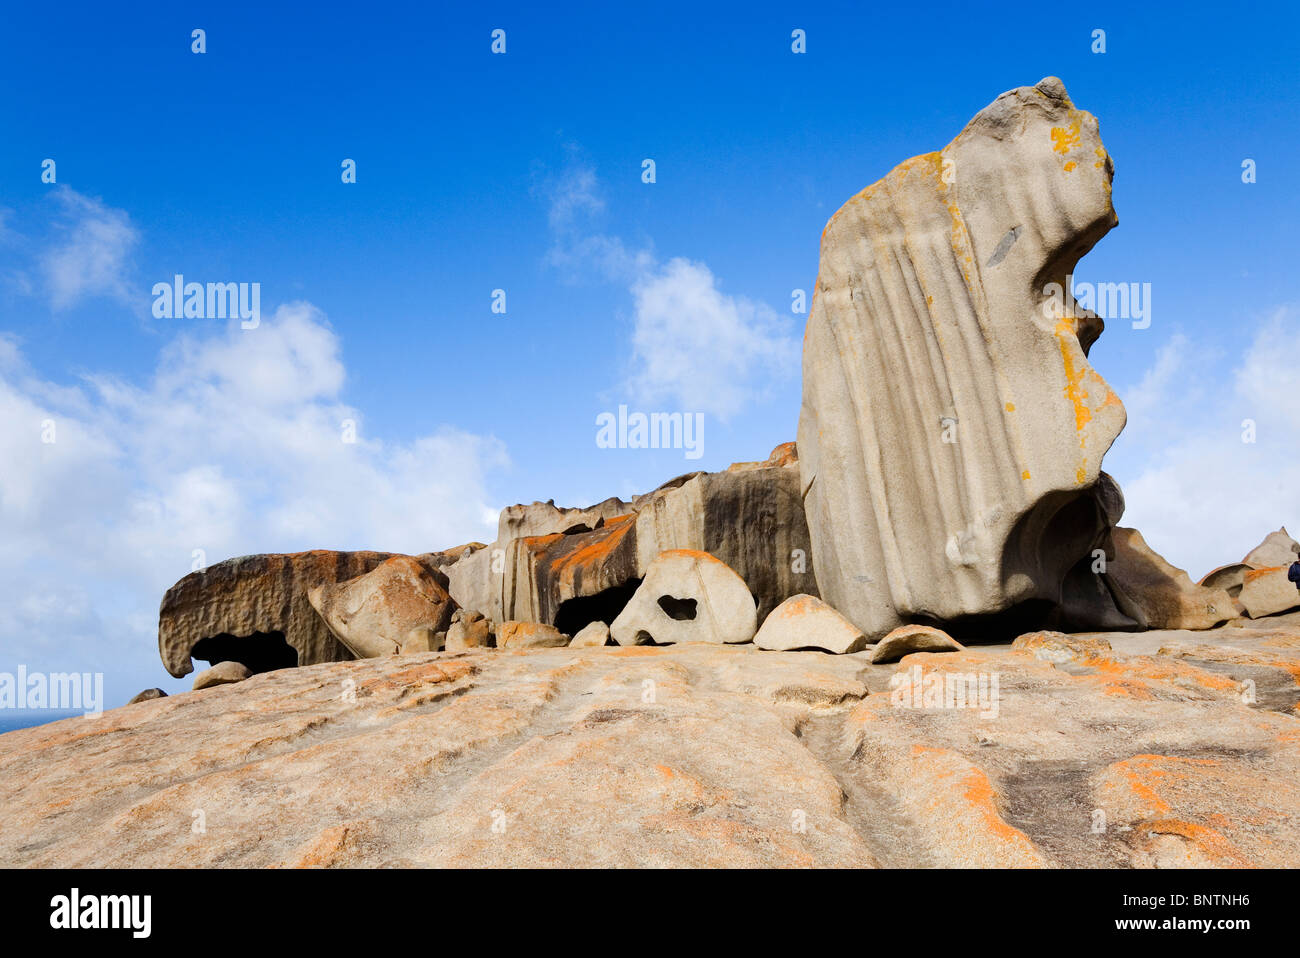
{"points": [[704, 349], [92, 256], [693, 347], [1203, 497], [235, 446]]}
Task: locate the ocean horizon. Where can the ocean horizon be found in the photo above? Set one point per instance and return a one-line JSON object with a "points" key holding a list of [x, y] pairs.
{"points": [[13, 721]]}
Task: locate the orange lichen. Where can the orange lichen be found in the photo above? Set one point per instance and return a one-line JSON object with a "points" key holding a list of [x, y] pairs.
{"points": [[1063, 138], [539, 544], [1207, 840], [594, 553], [691, 553], [981, 795], [1069, 167], [1144, 774], [1066, 338]]}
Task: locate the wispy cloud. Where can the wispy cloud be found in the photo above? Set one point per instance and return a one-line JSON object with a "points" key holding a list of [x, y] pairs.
{"points": [[1200, 494], [693, 345], [704, 348], [92, 253]]}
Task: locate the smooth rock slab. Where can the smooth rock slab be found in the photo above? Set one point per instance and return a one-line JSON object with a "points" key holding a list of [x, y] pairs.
{"points": [[913, 638], [687, 596], [806, 622], [696, 755]]}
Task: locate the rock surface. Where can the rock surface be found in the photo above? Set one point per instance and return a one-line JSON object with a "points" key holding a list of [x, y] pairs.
{"points": [[687, 596], [375, 613], [1103, 750], [224, 673], [952, 430], [806, 622], [254, 609]]}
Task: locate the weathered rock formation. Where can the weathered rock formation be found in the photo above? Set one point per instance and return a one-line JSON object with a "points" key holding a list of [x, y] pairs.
{"points": [[592, 635], [1159, 595], [375, 613], [740, 757], [687, 596], [422, 639], [1259, 582], [952, 430], [147, 695], [571, 567], [1230, 578], [1278, 548], [254, 610]]}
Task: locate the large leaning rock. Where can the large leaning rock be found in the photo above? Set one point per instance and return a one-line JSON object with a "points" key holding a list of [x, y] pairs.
{"points": [[376, 613], [687, 596], [952, 430], [254, 609]]}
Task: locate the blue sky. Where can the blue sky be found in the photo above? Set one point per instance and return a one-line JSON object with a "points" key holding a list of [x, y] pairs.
{"points": [[522, 172]]}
